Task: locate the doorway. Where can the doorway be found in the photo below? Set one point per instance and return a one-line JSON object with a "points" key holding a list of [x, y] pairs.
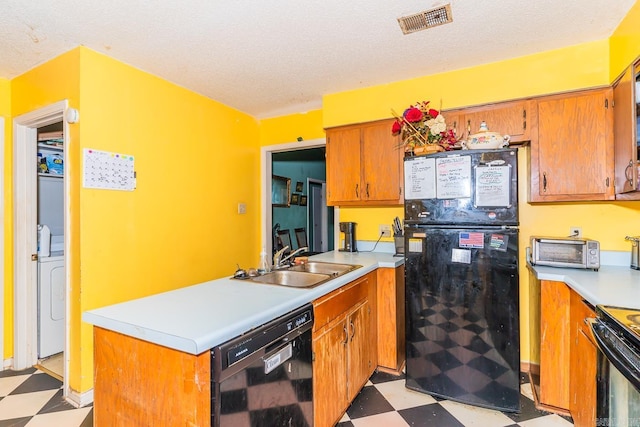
{"points": [[26, 218], [289, 150]]}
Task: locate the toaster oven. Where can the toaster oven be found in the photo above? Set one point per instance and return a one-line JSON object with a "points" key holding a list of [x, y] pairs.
{"points": [[572, 252]]}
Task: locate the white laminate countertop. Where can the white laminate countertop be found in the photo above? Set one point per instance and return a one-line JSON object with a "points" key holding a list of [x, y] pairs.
{"points": [[614, 284], [197, 318]]}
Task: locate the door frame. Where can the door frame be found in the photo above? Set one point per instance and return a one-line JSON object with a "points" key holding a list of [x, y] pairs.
{"points": [[2, 234], [324, 217], [265, 192], [25, 279]]}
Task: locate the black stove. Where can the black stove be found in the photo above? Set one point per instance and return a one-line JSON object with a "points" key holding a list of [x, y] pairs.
{"points": [[625, 321]]}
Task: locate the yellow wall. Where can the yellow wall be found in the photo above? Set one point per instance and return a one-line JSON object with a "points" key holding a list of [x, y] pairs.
{"points": [[195, 159], [625, 42], [279, 130]]}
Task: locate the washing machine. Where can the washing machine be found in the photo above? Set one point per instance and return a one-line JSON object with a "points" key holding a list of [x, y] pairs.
{"points": [[51, 307]]}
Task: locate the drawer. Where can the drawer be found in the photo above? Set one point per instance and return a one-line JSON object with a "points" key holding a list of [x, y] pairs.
{"points": [[330, 306]]}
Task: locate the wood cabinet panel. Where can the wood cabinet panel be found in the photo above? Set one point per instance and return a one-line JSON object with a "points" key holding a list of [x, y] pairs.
{"points": [[555, 304], [583, 365], [137, 383], [381, 160], [572, 154], [625, 113], [364, 165], [343, 348], [507, 118], [390, 319], [360, 349], [330, 381], [343, 164]]}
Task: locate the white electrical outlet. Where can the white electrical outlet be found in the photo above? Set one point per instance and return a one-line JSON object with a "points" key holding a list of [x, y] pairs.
{"points": [[242, 208], [575, 231], [385, 230]]}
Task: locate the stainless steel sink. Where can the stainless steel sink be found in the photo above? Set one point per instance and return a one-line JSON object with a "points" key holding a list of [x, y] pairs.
{"points": [[293, 279], [308, 275], [330, 268]]}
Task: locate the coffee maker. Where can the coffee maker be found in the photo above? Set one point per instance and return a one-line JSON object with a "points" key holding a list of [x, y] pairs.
{"points": [[349, 230]]}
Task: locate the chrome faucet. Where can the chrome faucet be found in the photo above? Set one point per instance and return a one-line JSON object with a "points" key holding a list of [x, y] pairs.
{"points": [[278, 260]]}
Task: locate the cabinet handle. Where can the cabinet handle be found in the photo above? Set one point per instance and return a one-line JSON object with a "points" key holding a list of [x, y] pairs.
{"points": [[353, 330], [346, 335], [627, 175], [357, 193], [524, 119], [367, 190], [544, 182], [469, 127]]}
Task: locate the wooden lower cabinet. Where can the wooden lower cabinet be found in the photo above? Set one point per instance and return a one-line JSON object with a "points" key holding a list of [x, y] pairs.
{"points": [[344, 337], [391, 320], [568, 362], [554, 346], [583, 365], [137, 383]]}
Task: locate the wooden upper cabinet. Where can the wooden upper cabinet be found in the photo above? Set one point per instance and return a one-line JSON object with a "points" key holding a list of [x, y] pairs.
{"points": [[572, 152], [627, 143], [343, 165], [507, 118], [364, 165]]}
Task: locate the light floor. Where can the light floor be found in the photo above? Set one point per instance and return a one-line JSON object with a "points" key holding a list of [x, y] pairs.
{"points": [[34, 399]]}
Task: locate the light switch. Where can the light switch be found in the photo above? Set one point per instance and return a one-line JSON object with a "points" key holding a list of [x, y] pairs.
{"points": [[242, 208]]}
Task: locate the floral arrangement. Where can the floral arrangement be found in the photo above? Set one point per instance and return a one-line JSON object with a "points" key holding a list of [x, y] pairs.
{"points": [[421, 125]]}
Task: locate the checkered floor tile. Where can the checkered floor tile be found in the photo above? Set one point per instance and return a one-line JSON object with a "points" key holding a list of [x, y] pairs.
{"points": [[34, 399], [386, 402]]}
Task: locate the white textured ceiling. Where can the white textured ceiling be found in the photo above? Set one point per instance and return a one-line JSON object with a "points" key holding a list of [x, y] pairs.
{"points": [[269, 58]]}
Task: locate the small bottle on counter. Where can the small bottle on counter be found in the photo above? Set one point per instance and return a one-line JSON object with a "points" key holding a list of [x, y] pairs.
{"points": [[264, 266]]}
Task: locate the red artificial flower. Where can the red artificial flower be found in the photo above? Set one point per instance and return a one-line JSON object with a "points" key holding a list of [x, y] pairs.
{"points": [[433, 113], [396, 127], [413, 115]]}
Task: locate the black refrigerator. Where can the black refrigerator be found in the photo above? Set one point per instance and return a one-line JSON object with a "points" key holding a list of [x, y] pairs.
{"points": [[461, 277]]}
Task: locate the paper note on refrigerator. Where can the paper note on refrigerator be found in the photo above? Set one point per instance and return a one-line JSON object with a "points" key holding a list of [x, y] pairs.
{"points": [[493, 185], [420, 178]]}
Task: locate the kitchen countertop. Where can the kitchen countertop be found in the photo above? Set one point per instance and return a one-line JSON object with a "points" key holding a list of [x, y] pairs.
{"points": [[614, 284], [197, 318]]}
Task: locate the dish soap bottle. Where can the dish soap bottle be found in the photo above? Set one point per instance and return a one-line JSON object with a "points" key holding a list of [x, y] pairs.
{"points": [[264, 266]]}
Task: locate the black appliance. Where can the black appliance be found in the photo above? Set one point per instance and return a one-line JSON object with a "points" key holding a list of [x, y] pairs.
{"points": [[461, 277], [349, 230], [616, 332], [264, 377]]}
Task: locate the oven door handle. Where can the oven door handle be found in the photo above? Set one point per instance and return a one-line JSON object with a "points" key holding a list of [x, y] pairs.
{"points": [[607, 341]]}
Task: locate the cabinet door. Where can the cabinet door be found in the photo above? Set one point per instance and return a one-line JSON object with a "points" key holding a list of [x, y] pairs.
{"points": [[359, 350], [329, 379], [390, 319], [572, 156], [555, 318], [382, 162], [626, 143], [343, 165], [507, 118], [583, 365]]}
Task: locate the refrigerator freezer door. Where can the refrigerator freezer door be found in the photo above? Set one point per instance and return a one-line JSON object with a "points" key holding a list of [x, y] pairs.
{"points": [[463, 314], [472, 188]]}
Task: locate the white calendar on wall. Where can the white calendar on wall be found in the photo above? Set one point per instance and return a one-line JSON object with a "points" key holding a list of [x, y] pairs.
{"points": [[108, 171]]}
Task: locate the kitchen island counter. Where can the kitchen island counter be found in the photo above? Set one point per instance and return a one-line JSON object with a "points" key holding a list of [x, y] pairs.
{"points": [[614, 284], [197, 318]]}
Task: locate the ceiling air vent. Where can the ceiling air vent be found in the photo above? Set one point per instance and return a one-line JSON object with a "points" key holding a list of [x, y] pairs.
{"points": [[423, 20]]}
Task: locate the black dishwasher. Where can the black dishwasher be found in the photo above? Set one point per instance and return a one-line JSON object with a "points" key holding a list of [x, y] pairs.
{"points": [[264, 377]]}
